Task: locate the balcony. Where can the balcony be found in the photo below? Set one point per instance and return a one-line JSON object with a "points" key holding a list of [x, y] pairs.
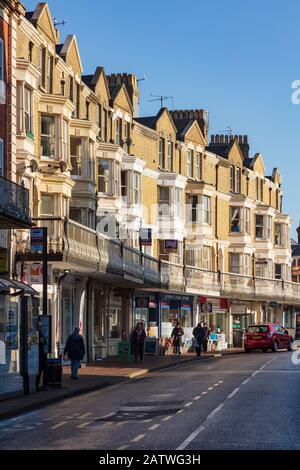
{"points": [[14, 205], [75, 246]]}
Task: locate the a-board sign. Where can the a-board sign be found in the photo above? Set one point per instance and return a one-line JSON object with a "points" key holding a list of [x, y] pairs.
{"points": [[151, 346]]}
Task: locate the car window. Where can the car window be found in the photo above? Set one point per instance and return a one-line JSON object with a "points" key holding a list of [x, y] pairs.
{"points": [[258, 329]]}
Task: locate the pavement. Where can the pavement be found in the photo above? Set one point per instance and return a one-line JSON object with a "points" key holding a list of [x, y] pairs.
{"points": [[243, 401], [95, 376]]}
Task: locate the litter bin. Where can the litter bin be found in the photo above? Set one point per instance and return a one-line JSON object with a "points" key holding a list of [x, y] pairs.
{"points": [[54, 372]]}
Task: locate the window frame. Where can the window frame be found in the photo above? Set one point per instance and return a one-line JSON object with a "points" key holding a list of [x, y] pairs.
{"points": [[2, 60], [232, 178], [190, 158], [198, 166], [27, 112], [169, 163], [238, 180], [54, 143], [1, 157], [109, 181], [161, 152]]}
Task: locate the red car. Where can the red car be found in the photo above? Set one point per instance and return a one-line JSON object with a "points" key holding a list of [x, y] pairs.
{"points": [[267, 336]]}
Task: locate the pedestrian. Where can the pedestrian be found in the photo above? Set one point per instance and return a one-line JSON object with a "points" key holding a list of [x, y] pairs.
{"points": [[75, 350], [43, 348], [199, 334], [177, 333], [138, 342], [207, 333]]}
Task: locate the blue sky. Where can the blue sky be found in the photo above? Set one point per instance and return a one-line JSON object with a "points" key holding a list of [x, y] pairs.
{"points": [[237, 59]]}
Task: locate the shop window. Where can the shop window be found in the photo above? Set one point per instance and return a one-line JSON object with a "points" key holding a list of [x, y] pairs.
{"points": [[115, 323]]}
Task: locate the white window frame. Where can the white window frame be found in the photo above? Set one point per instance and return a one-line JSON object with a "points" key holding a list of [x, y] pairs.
{"points": [[247, 227], [164, 204], [90, 166], [49, 136], [238, 180], [136, 186], [52, 198], [106, 177], [190, 163], [80, 158], [261, 226], [2, 60], [193, 209], [232, 178], [247, 264], [234, 267], [170, 156], [236, 211], [118, 131], [206, 257], [206, 201], [198, 166], [178, 212], [65, 140], [27, 109], [1, 157], [161, 152]]}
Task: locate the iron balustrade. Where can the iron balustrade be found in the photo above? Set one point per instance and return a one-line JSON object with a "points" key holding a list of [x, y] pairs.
{"points": [[14, 204]]}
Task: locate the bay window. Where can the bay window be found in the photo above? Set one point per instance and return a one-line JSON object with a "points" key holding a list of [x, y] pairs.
{"points": [[235, 219], [234, 263], [206, 257], [192, 257], [164, 201], [90, 162], [193, 208], [47, 205], [124, 185], [206, 209], [178, 203], [136, 188], [240, 263], [65, 140], [105, 176], [77, 157], [278, 234], [247, 221], [28, 109], [47, 136], [259, 227], [278, 271]]}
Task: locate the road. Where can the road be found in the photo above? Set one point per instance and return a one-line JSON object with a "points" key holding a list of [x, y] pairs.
{"points": [[234, 402]]}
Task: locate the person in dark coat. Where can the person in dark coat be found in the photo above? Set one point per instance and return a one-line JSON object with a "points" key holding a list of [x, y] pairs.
{"points": [[75, 350], [206, 338], [176, 335], [199, 334], [138, 341]]}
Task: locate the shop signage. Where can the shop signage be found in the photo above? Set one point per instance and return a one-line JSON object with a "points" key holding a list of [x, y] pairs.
{"points": [[171, 244], [151, 346], [145, 238], [181, 298], [206, 308], [142, 302], [36, 239]]}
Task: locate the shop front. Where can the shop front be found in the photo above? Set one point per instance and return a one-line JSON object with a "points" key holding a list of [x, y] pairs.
{"points": [[146, 311], [214, 311], [175, 308], [242, 315]]}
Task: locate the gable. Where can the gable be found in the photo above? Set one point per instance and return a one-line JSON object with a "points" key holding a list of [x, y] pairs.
{"points": [[165, 123], [122, 100], [258, 165], [276, 176], [235, 155], [194, 134], [71, 55], [43, 21], [101, 87]]}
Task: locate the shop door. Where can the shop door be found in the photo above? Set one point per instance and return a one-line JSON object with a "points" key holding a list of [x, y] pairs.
{"points": [[237, 339]]}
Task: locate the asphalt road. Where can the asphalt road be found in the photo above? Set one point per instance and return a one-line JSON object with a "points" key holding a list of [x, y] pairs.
{"points": [[234, 402]]}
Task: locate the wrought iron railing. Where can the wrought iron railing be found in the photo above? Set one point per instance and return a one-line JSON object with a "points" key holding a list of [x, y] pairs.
{"points": [[14, 203]]}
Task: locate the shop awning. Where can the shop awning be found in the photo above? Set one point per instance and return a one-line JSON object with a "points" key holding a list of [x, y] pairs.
{"points": [[6, 284]]}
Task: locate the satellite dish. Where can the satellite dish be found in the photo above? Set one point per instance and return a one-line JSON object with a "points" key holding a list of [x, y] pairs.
{"points": [[63, 166]]}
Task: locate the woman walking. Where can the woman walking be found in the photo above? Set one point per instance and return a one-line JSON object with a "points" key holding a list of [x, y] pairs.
{"points": [[176, 335], [138, 342]]}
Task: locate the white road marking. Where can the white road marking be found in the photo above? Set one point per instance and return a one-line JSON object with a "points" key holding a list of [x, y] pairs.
{"points": [[138, 438], [245, 381], [233, 393], [216, 385], [155, 426], [122, 447], [221, 381], [215, 411], [210, 388], [59, 425], [188, 404], [84, 416], [190, 438], [83, 425], [204, 393], [167, 418], [262, 367], [254, 373], [197, 397], [179, 411]]}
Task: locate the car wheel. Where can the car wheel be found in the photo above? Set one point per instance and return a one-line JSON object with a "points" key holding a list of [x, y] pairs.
{"points": [[265, 350], [290, 346], [247, 350], [275, 346]]}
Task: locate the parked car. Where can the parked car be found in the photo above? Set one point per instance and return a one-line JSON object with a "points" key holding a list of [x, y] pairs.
{"points": [[267, 336]]}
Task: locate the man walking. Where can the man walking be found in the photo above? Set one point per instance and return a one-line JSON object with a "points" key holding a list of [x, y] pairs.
{"points": [[75, 350], [199, 334]]}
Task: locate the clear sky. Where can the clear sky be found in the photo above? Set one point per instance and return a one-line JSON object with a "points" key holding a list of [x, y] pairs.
{"points": [[237, 59]]}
